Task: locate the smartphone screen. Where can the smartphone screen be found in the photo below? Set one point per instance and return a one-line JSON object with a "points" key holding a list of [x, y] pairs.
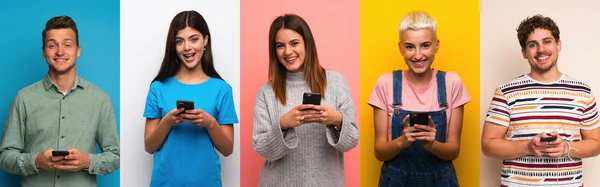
{"points": [[311, 98]]}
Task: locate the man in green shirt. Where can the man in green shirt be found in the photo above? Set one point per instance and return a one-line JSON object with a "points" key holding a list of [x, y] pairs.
{"points": [[62, 112]]}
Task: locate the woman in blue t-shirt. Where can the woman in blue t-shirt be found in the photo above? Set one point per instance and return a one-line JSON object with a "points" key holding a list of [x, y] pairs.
{"points": [[184, 142]]}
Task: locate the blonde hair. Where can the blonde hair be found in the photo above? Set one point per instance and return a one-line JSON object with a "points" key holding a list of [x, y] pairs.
{"points": [[417, 20]]}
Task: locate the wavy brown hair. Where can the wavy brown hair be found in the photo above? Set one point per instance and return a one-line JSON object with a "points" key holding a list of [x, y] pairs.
{"points": [[528, 25], [314, 73]]}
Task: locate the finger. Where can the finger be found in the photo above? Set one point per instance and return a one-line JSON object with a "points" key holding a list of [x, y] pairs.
{"points": [[424, 127], [431, 124], [56, 158], [405, 121], [538, 152], [552, 150], [195, 111], [306, 106]]}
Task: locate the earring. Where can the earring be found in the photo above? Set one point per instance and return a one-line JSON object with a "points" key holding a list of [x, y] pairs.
{"points": [[205, 48]]}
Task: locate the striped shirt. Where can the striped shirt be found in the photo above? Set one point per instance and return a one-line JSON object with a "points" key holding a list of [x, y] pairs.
{"points": [[529, 107]]}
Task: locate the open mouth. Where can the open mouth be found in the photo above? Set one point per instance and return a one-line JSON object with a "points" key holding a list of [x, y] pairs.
{"points": [[421, 63], [291, 60], [542, 58], [60, 60], [189, 57]]}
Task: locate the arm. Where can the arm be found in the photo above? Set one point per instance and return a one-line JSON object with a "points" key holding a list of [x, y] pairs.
{"points": [[108, 140], [267, 138], [155, 133], [347, 137], [385, 150], [222, 138], [450, 149], [494, 145], [12, 158], [588, 147]]}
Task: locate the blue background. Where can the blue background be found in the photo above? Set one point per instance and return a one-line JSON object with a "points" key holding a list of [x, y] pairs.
{"points": [[21, 58]]}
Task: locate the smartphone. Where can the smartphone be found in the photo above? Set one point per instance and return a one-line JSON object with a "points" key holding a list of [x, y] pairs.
{"points": [[60, 153], [421, 118], [186, 105], [311, 98], [548, 139]]}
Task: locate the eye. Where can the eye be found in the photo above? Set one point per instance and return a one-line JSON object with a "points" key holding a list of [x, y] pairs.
{"points": [[547, 41], [67, 45], [295, 43], [194, 39], [530, 45], [409, 47], [426, 46], [178, 41], [279, 46], [51, 46]]}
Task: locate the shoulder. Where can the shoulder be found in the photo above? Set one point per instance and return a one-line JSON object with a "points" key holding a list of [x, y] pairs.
{"points": [[220, 83], [93, 90], [573, 82], [515, 82], [334, 76], [31, 89]]}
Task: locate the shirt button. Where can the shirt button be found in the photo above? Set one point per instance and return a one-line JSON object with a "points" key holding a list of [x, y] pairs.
{"points": [[63, 137], [58, 176], [63, 117]]}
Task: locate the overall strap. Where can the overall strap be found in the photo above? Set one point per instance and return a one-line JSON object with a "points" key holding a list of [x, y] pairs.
{"points": [[397, 87], [441, 87]]}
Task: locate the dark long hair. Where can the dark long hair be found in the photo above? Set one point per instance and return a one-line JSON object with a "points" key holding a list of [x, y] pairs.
{"points": [[171, 62], [314, 73]]}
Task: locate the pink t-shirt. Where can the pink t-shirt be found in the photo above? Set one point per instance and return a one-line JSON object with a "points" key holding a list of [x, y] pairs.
{"points": [[423, 100]]}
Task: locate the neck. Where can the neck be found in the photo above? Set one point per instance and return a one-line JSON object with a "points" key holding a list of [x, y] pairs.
{"points": [[419, 80], [191, 76], [551, 75], [64, 81]]}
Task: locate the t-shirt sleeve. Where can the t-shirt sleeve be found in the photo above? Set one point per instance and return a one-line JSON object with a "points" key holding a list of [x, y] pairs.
{"points": [[590, 115], [226, 107], [498, 112], [152, 110], [379, 95], [459, 94]]}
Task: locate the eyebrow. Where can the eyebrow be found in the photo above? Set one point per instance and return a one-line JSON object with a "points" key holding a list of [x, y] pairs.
{"points": [[194, 35], [546, 38]]}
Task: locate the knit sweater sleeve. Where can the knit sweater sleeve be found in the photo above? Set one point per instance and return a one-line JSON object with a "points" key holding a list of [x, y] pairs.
{"points": [[267, 138], [347, 137]]}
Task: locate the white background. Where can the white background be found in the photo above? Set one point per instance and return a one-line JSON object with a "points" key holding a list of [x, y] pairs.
{"points": [[501, 58], [144, 27]]}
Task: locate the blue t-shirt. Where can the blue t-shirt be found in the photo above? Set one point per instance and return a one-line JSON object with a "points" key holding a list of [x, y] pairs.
{"points": [[188, 157]]}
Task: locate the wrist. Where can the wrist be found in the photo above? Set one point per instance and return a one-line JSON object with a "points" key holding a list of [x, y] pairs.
{"points": [[402, 142], [36, 160]]}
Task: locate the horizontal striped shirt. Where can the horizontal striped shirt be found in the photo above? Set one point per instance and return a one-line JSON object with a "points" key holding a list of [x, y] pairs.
{"points": [[529, 107]]}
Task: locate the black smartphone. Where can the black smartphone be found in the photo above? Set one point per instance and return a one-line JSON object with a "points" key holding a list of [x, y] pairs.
{"points": [[421, 118], [186, 105], [548, 139], [60, 153], [311, 98]]}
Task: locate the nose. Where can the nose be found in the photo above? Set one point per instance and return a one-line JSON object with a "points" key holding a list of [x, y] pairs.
{"points": [[60, 51], [418, 54], [287, 50], [187, 46]]}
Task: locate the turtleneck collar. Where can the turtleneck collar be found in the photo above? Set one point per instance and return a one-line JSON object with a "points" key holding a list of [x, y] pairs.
{"points": [[294, 77]]}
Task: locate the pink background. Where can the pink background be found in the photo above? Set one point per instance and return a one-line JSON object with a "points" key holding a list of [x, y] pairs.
{"points": [[335, 27]]}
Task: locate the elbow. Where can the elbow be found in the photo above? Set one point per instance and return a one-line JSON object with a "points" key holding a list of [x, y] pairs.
{"points": [[485, 149], [149, 149], [228, 152]]}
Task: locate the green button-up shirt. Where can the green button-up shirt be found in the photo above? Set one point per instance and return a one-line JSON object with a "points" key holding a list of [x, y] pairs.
{"points": [[42, 117]]}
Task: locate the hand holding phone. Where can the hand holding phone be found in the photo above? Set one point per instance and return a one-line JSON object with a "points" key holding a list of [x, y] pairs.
{"points": [[421, 118], [186, 105], [311, 98]]}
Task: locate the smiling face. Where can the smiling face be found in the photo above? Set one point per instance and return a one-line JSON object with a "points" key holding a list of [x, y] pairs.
{"points": [[190, 45], [418, 47], [60, 50], [289, 46], [541, 50]]}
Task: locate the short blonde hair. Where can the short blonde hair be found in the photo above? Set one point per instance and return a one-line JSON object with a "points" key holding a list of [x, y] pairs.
{"points": [[417, 20]]}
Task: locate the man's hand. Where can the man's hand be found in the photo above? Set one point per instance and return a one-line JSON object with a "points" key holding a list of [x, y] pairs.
{"points": [[75, 161]]}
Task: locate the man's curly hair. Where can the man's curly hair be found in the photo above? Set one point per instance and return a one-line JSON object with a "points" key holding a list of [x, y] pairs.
{"points": [[528, 25]]}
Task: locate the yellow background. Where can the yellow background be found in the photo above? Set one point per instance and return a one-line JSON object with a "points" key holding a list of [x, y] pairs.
{"points": [[458, 31]]}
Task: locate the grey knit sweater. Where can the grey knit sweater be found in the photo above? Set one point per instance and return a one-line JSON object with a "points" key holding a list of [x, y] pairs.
{"points": [[310, 154]]}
